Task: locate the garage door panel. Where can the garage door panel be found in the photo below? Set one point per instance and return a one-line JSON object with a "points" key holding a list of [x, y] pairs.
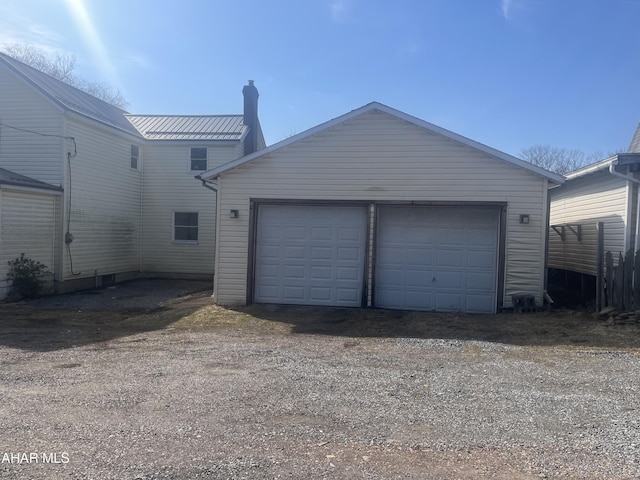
{"points": [[348, 273], [480, 259], [319, 259], [321, 253], [437, 258], [418, 256], [418, 278]]}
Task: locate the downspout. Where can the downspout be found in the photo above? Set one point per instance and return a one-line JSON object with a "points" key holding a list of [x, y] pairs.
{"points": [[207, 184], [630, 178]]}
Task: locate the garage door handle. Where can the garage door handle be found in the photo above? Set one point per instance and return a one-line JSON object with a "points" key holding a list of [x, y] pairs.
{"points": [[434, 279]]}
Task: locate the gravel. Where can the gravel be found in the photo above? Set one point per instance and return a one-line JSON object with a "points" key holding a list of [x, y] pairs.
{"points": [[242, 402]]}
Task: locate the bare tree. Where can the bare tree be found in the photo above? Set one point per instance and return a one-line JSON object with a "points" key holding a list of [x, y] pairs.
{"points": [[554, 159], [62, 67]]}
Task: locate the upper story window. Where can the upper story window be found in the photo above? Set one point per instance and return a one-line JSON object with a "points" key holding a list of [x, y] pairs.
{"points": [[135, 157], [198, 159]]}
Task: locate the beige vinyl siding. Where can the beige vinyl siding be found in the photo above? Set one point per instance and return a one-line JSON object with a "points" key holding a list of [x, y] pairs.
{"points": [[377, 157], [599, 197], [105, 202], [169, 187], [26, 153], [27, 225]]}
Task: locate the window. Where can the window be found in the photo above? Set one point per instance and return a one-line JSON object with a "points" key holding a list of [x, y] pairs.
{"points": [[185, 227], [198, 160], [135, 157]]}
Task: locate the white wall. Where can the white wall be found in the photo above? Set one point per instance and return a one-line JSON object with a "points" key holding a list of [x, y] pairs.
{"points": [[168, 187], [599, 197], [26, 153], [377, 157], [105, 202], [27, 225]]}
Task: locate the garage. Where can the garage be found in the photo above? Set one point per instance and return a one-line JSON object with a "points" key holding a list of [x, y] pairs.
{"points": [[437, 258], [310, 254], [377, 208]]}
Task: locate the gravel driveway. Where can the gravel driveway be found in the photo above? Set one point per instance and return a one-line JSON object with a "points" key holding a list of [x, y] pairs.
{"points": [[214, 393]]}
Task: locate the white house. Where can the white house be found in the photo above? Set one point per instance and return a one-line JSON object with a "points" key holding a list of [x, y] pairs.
{"points": [[130, 204], [605, 192], [379, 208]]}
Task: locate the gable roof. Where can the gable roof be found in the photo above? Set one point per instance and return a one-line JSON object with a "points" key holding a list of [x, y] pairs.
{"points": [[190, 127], [68, 97], [553, 177], [635, 142], [7, 177]]}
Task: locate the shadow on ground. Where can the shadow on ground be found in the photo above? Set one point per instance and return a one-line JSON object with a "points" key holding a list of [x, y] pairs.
{"points": [[550, 328], [94, 316]]}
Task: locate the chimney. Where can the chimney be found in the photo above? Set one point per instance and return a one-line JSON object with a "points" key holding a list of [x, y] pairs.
{"points": [[250, 93]]}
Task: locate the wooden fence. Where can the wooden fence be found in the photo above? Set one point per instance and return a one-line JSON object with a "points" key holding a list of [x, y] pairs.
{"points": [[621, 286]]}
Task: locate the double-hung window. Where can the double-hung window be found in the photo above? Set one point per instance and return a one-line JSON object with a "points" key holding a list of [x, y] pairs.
{"points": [[135, 157], [198, 159], [185, 227]]}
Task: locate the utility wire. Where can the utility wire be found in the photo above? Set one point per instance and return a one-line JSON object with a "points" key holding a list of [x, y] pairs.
{"points": [[75, 147], [69, 157]]}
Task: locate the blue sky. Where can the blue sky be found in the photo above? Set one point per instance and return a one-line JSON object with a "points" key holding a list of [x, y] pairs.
{"points": [[507, 73]]}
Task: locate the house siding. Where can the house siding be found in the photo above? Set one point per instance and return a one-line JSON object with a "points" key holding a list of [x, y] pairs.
{"points": [[170, 187], [376, 157], [27, 225], [105, 202], [599, 197], [29, 154]]}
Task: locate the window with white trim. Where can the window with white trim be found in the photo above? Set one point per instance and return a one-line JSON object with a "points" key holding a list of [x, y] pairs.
{"points": [[185, 227], [198, 159], [135, 157]]}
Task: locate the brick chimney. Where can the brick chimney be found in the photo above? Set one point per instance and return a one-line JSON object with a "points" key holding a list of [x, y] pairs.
{"points": [[250, 93]]}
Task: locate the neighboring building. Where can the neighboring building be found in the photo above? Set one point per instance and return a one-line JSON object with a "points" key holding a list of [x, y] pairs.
{"points": [[131, 205], [607, 192], [379, 208]]}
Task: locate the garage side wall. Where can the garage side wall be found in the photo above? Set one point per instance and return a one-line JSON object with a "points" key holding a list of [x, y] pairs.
{"points": [[378, 157], [599, 197], [27, 225]]}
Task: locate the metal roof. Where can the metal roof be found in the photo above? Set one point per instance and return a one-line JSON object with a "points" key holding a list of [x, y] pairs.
{"points": [[71, 98], [7, 177], [190, 127], [635, 142], [552, 177]]}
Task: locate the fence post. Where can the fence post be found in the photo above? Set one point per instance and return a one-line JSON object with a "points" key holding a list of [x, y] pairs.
{"points": [[600, 267], [609, 277], [627, 296]]}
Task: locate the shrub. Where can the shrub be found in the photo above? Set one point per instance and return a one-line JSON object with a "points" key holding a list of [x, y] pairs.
{"points": [[26, 277]]}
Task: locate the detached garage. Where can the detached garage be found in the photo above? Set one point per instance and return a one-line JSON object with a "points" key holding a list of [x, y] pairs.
{"points": [[380, 209]]}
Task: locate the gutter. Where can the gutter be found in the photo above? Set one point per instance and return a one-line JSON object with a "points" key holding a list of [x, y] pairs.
{"points": [[207, 183]]}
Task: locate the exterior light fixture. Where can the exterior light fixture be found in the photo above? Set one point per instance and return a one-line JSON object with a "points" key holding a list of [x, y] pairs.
{"points": [[524, 219], [233, 214]]}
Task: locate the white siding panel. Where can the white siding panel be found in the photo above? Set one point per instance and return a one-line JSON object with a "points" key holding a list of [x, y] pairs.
{"points": [[105, 203], [600, 197], [170, 187], [36, 156], [27, 225], [377, 157]]}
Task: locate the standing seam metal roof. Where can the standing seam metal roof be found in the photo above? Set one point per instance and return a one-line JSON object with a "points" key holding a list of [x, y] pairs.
{"points": [[71, 98], [189, 127]]}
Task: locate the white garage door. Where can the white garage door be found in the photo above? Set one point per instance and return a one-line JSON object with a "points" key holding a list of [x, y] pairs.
{"points": [[437, 258], [310, 255]]}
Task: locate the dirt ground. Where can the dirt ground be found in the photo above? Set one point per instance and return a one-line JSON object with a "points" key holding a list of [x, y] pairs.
{"points": [[177, 388]]}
